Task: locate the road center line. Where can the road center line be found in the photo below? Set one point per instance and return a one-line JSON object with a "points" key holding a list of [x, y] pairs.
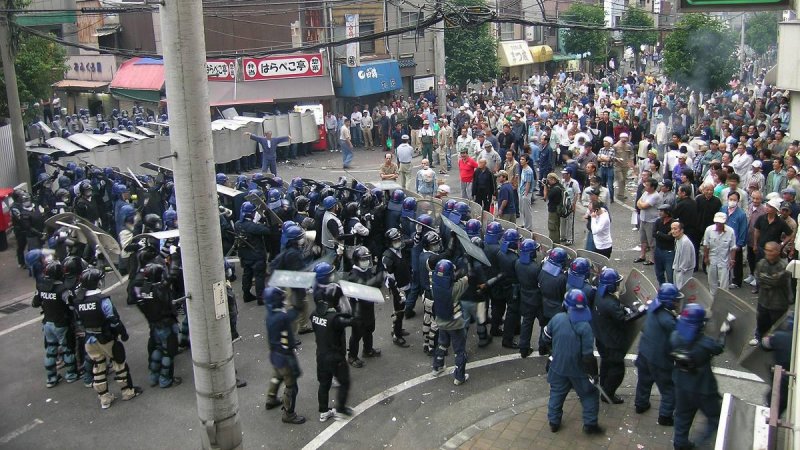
{"points": [[20, 431]]}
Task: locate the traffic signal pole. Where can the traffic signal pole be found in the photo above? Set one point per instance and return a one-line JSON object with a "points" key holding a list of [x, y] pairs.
{"points": [[184, 48]]}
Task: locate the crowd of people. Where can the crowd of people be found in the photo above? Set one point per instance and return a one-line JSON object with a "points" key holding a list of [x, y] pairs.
{"points": [[598, 131]]}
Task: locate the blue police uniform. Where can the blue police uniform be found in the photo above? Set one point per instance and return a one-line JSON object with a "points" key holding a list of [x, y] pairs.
{"points": [[530, 300], [507, 291], [653, 362]]}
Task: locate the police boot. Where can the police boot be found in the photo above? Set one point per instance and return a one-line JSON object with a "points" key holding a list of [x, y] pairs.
{"points": [[292, 418]]}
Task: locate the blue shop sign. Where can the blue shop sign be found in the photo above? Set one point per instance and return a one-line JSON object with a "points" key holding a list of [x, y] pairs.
{"points": [[370, 78]]}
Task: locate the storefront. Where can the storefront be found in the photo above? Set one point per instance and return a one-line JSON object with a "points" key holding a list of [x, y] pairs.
{"points": [[85, 84], [271, 84], [515, 59], [368, 83], [541, 55], [139, 81]]}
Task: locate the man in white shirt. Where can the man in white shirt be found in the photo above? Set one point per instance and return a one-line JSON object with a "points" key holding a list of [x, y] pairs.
{"points": [[685, 259], [405, 152], [741, 161], [366, 127], [719, 252], [355, 127], [491, 156]]}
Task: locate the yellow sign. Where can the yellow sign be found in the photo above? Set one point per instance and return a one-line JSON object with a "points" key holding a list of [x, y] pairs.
{"points": [[542, 53], [573, 65], [514, 53]]}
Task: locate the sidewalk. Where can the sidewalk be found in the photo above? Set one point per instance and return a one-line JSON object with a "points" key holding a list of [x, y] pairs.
{"points": [[528, 428], [15, 282]]}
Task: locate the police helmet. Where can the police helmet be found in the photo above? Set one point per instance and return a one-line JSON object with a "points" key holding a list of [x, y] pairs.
{"points": [[473, 228], [288, 224], [46, 159], [351, 210], [557, 256], [54, 271], [510, 239], [80, 173], [667, 294], [85, 187], [378, 194], [257, 192], [527, 251], [90, 278], [73, 266], [444, 268], [691, 321], [432, 241], [43, 178], [393, 234], [71, 166], [449, 205], [425, 219], [398, 196], [241, 181], [63, 195], [297, 183], [274, 195], [580, 267], [362, 257], [128, 213], [155, 273], [170, 218], [409, 204], [329, 202], [463, 209], [247, 210], [118, 189], [294, 234], [152, 223], [323, 272], [222, 178], [609, 276], [274, 297], [64, 182], [577, 306], [258, 176]]}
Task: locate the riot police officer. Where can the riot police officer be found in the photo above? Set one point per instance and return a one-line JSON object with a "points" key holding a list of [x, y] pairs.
{"points": [[610, 321], [73, 267], [398, 278], [473, 300], [354, 231], [121, 194], [423, 225], [104, 336], [252, 253], [53, 297], [573, 363], [508, 288], [294, 258], [446, 289], [553, 285], [331, 228], [375, 220], [780, 344], [578, 278], [431, 254], [409, 211], [394, 209], [527, 271], [154, 300], [27, 221], [282, 346], [363, 273], [653, 362], [695, 385], [330, 319], [85, 206], [491, 248]]}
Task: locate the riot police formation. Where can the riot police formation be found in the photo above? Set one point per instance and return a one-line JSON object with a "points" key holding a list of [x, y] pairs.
{"points": [[394, 245]]}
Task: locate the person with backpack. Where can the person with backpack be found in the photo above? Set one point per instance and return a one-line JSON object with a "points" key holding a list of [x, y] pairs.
{"points": [[571, 192], [554, 193]]}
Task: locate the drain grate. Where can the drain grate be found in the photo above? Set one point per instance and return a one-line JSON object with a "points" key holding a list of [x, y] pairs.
{"points": [[14, 307]]}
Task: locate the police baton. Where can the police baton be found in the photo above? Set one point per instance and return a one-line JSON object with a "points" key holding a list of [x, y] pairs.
{"points": [[596, 383]]}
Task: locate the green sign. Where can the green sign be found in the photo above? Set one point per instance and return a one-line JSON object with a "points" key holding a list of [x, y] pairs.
{"points": [[733, 5]]}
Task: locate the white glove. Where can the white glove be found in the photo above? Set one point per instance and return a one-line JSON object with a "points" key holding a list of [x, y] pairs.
{"points": [[725, 327], [642, 308], [340, 249], [402, 297], [627, 310]]}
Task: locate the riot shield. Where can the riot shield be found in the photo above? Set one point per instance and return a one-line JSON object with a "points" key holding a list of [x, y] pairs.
{"points": [[227, 191], [741, 329], [470, 248], [156, 168], [361, 292], [694, 292], [598, 261], [158, 235], [545, 242], [571, 254], [486, 219], [291, 279], [755, 359], [637, 289], [386, 185], [261, 207], [506, 224], [430, 206]]}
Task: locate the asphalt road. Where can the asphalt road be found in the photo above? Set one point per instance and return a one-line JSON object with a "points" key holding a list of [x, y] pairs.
{"points": [[401, 406]]}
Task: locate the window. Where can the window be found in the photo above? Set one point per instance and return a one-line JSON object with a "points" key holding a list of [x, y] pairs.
{"points": [[408, 19], [506, 31], [366, 29]]}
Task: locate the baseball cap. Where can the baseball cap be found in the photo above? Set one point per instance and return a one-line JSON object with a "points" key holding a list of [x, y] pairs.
{"points": [[404, 137], [502, 173], [487, 144], [444, 188], [720, 217], [774, 203], [756, 163]]}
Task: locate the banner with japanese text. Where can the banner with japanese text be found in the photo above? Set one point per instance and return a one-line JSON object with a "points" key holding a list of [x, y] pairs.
{"points": [[286, 66]]}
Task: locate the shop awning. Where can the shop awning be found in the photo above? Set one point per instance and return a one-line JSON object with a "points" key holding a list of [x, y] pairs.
{"points": [[140, 79], [541, 53], [565, 56], [226, 93], [514, 53], [107, 30], [81, 85], [370, 78]]}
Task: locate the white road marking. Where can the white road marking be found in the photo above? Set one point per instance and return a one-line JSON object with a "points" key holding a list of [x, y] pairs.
{"points": [[20, 431], [362, 407]]}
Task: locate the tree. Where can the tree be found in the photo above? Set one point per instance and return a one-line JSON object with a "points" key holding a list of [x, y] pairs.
{"points": [[586, 41], [761, 31], [700, 53], [638, 18], [39, 64], [471, 51]]}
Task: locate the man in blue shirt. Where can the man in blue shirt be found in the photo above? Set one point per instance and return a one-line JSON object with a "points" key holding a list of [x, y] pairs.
{"points": [[505, 209], [269, 145], [526, 191]]}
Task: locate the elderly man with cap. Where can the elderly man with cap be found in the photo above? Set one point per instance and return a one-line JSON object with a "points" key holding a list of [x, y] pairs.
{"points": [[607, 157], [405, 153], [445, 141], [754, 180], [426, 180], [719, 252], [427, 138], [493, 159], [622, 164], [443, 192], [770, 228], [789, 196]]}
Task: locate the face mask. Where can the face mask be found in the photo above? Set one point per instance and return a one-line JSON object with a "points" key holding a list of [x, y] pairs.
{"points": [[732, 204]]}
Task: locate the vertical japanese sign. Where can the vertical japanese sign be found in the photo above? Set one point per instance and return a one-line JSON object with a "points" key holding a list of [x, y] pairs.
{"points": [[353, 48]]}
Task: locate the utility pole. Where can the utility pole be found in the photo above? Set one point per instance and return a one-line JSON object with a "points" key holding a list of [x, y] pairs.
{"points": [[439, 65], [184, 47], [14, 106], [741, 48]]}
